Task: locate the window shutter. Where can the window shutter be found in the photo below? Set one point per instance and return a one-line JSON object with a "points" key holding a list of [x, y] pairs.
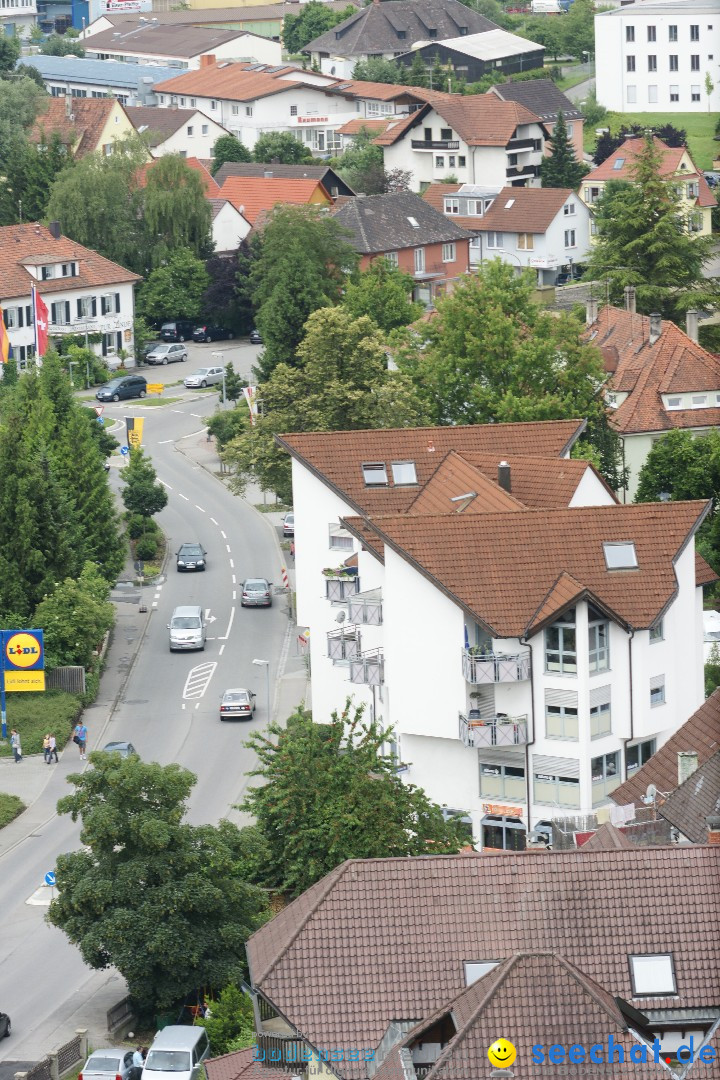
{"points": [[94, 306], [5, 317], [555, 766], [600, 696], [28, 315], [79, 307], [118, 341], [67, 311], [20, 316], [53, 313], [657, 681], [567, 699], [104, 345], [117, 303], [503, 757]]}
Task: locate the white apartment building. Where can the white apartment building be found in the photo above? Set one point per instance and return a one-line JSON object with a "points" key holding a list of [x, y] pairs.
{"points": [[656, 56], [84, 292], [17, 15], [530, 640]]}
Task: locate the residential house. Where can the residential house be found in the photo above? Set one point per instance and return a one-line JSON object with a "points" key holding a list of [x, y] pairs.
{"points": [[476, 140], [562, 630], [84, 292], [658, 56], [229, 226], [331, 181], [19, 15], [411, 235], [187, 132], [542, 97], [255, 196], [373, 99], [492, 52], [179, 45], [71, 76], [659, 379], [389, 29], [84, 125], [241, 1065], [263, 19], [544, 229], [696, 200], [413, 967]]}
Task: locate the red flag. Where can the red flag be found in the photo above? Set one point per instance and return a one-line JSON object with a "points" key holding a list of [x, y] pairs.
{"points": [[40, 313]]}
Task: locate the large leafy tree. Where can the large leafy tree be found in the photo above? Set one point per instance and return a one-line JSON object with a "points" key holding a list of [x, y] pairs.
{"points": [[562, 169], [75, 618], [9, 52], [281, 146], [341, 382], [228, 148], [312, 21], [62, 45], [376, 69], [382, 292], [176, 213], [177, 288], [159, 899], [31, 170], [362, 167], [328, 794], [143, 493], [304, 257]]}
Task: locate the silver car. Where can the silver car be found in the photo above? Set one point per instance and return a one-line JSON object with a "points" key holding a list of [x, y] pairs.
{"points": [[237, 704], [205, 376], [108, 1064], [256, 592], [166, 354]]}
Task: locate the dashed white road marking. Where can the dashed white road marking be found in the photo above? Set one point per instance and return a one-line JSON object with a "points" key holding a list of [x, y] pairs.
{"points": [[234, 595], [213, 521], [198, 680], [197, 705], [178, 411], [196, 415], [183, 496], [234, 580], [224, 637], [165, 484], [199, 508], [190, 435], [222, 649], [224, 535], [227, 548], [164, 442]]}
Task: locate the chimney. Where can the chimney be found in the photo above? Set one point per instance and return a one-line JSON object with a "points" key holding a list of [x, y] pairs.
{"points": [[713, 827], [687, 764], [207, 60], [591, 311], [630, 299], [655, 326], [504, 476], [54, 229], [691, 326]]}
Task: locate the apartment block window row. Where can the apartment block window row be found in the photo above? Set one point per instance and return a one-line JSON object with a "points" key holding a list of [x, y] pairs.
{"points": [[501, 781], [561, 714], [657, 691], [556, 781], [605, 773], [17, 317], [637, 755]]}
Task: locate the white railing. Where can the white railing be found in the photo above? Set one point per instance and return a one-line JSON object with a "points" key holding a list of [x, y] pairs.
{"points": [[482, 668], [493, 731]]}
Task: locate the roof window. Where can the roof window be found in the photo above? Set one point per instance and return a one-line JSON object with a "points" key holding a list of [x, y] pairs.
{"points": [[374, 473], [653, 975], [509, 203], [619, 163], [403, 472], [475, 969], [414, 222], [620, 555]]}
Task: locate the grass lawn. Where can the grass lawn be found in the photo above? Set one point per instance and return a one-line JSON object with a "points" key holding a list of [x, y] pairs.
{"points": [[149, 402], [10, 807], [34, 715], [700, 128]]}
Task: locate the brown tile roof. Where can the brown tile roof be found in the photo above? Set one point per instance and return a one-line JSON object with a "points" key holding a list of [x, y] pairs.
{"points": [[212, 190], [241, 1065], [21, 244], [532, 210], [360, 123], [540, 481], [159, 124], [399, 125], [670, 167], [363, 88], [704, 573], [214, 16], [168, 39], [435, 195], [503, 567], [254, 194], [608, 838], [700, 733], [82, 133], [454, 477], [231, 81], [694, 801], [564, 591], [386, 939], [337, 456], [540, 95], [479, 120]]}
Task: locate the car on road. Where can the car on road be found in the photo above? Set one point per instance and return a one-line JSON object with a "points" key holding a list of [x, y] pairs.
{"points": [[124, 749], [187, 628], [126, 386], [211, 332], [112, 1064], [205, 376], [5, 1026], [255, 337], [288, 524], [191, 557], [177, 330], [256, 592], [166, 354], [237, 704]]}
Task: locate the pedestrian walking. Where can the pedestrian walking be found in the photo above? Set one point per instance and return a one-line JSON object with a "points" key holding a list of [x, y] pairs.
{"points": [[46, 749], [16, 747], [80, 737], [52, 749], [137, 1063]]}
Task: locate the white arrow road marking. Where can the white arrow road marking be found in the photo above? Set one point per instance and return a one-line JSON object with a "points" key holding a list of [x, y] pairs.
{"points": [[198, 680], [224, 637]]}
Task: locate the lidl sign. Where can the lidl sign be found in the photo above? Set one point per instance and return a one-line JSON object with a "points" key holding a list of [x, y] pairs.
{"points": [[23, 659]]}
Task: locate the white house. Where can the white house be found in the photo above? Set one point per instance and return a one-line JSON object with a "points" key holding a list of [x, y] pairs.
{"points": [[84, 292], [187, 132], [179, 45], [229, 226], [530, 640], [18, 15], [657, 56]]}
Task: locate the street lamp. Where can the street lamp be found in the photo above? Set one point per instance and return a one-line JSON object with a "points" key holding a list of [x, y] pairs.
{"points": [[266, 665], [71, 365], [220, 357]]}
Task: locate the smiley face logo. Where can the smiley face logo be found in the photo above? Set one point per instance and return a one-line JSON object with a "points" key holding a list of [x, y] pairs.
{"points": [[501, 1054]]}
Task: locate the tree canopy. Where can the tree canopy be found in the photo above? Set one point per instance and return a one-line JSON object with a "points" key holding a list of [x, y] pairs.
{"points": [[175, 289], [382, 292], [228, 148], [61, 45], [314, 19], [176, 213], [562, 169], [143, 493], [281, 146]]}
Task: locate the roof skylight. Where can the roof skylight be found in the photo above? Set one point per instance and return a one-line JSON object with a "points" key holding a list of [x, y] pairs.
{"points": [[620, 555], [374, 473], [619, 163], [653, 974], [414, 222], [509, 203]]}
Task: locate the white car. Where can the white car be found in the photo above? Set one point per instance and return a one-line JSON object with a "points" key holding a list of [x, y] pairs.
{"points": [[112, 1064], [166, 354], [205, 376]]}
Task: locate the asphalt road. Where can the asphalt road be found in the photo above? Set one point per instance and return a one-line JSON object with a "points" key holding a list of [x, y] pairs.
{"points": [[169, 710]]}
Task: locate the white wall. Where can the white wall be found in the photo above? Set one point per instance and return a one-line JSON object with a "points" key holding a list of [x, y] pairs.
{"points": [[251, 47], [591, 491], [229, 228], [195, 138]]}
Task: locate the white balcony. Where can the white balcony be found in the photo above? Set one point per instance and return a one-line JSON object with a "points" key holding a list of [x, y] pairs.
{"points": [[368, 668], [493, 731], [365, 608], [489, 668], [343, 644]]}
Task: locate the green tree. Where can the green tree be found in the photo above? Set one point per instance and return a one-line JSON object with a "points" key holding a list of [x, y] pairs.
{"points": [[642, 240], [341, 382], [302, 266], [75, 618], [9, 52], [177, 215], [228, 148], [362, 167], [314, 19], [143, 493], [383, 293], [328, 794], [176, 288], [578, 29], [61, 45], [562, 169], [712, 671], [417, 72], [233, 385], [228, 299], [231, 1023], [33, 169], [155, 897], [376, 69], [281, 146]]}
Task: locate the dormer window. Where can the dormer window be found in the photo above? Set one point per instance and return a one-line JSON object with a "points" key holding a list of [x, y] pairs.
{"points": [[620, 555], [674, 402], [619, 163], [653, 975], [69, 269], [375, 473], [403, 472], [699, 401], [475, 969], [452, 206], [47, 272]]}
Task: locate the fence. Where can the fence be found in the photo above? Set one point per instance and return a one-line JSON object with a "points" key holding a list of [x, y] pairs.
{"points": [[119, 1016], [70, 679], [61, 1062]]}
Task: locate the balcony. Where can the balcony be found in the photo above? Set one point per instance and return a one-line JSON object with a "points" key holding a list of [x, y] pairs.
{"points": [[343, 645], [368, 668], [483, 668], [284, 1052], [339, 585], [522, 171], [435, 144], [521, 144], [365, 609], [493, 731]]}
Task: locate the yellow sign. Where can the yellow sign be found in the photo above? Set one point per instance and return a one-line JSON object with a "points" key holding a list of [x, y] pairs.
{"points": [[24, 680], [134, 430], [155, 387], [23, 650]]}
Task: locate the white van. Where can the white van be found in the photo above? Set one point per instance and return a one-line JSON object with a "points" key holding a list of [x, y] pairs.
{"points": [[187, 628], [177, 1053]]}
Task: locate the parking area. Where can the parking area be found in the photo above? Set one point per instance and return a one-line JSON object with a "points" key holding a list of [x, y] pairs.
{"points": [[240, 353]]}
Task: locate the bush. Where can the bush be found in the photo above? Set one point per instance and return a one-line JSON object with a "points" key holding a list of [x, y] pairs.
{"points": [[230, 1025], [75, 618], [712, 671], [138, 526], [36, 714], [146, 548], [10, 807]]}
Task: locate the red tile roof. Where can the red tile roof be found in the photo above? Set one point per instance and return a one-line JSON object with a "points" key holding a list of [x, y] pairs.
{"points": [[608, 838], [254, 194], [455, 477], [704, 573], [540, 481], [212, 190], [232, 81], [523, 209], [697, 799], [241, 1065], [361, 123], [81, 129], [479, 120], [671, 157]]}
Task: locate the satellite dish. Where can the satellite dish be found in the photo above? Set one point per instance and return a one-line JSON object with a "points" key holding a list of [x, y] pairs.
{"points": [[341, 616], [651, 793]]}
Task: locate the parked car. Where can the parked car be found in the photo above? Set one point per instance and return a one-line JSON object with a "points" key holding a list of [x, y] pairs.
{"points": [[288, 524], [205, 376], [147, 349], [177, 330], [124, 749], [5, 1026], [211, 332], [256, 592], [238, 704], [166, 354], [255, 337], [126, 386], [191, 557], [115, 1062]]}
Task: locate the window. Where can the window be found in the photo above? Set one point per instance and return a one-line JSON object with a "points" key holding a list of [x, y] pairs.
{"points": [[699, 401], [672, 33], [502, 781], [445, 133], [47, 272], [561, 721], [674, 93], [525, 242], [674, 66], [162, 99], [694, 93], [569, 209], [652, 62], [657, 691], [569, 238], [448, 253], [637, 755], [631, 95], [629, 33], [652, 94], [213, 105], [13, 317], [419, 257], [339, 539], [475, 969], [495, 239], [182, 102], [561, 646], [293, 110], [439, 162], [693, 190], [452, 206], [503, 833], [248, 110], [694, 32], [629, 63], [695, 62], [68, 269], [618, 163], [235, 109], [556, 790], [451, 161], [656, 632], [461, 162], [403, 472], [651, 33], [204, 129], [60, 313], [570, 130], [193, 103], [605, 776], [653, 975], [598, 641], [391, 257], [374, 473], [190, 129], [620, 555], [474, 208]]}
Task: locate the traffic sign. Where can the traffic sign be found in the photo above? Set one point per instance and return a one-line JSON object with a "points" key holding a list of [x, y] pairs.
{"points": [[50, 877], [101, 420], [155, 387], [99, 409], [124, 451], [139, 566]]}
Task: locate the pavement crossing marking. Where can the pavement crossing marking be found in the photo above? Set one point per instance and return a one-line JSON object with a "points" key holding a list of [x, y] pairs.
{"points": [[198, 680]]}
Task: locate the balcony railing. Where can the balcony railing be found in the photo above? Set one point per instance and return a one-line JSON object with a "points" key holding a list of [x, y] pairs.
{"points": [[521, 144], [435, 144], [340, 588], [366, 608], [494, 731], [284, 1052], [343, 645], [522, 170], [368, 668], [483, 668]]}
